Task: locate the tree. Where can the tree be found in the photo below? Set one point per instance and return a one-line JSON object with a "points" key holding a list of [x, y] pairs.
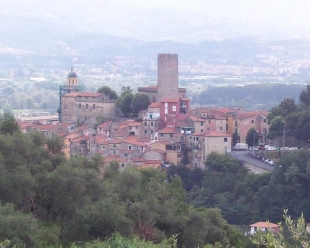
{"points": [[277, 127], [125, 104], [297, 231], [8, 124], [304, 97], [139, 102], [252, 137], [108, 91], [235, 138]]}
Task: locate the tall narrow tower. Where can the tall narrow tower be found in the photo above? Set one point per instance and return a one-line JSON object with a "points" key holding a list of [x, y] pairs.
{"points": [[72, 79], [71, 86], [167, 84]]}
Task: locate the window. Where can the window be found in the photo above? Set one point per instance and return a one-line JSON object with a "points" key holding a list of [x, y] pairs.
{"points": [[201, 123], [152, 131], [252, 121], [145, 123], [162, 135], [174, 108], [94, 106], [114, 145], [129, 147], [113, 152], [123, 165], [225, 139], [152, 124], [221, 128], [86, 105], [264, 120], [201, 130], [171, 135], [80, 106], [145, 131], [209, 121]]}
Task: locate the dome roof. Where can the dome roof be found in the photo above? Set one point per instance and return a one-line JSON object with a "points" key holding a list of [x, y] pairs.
{"points": [[72, 73]]}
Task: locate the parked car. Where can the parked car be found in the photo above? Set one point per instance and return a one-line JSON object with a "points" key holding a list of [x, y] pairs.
{"points": [[271, 162], [270, 148]]}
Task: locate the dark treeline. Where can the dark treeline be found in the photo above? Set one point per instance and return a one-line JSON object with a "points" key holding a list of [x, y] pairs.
{"points": [[48, 200], [248, 198], [254, 96]]}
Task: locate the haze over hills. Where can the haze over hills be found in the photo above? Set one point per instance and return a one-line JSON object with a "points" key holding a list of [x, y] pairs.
{"points": [[181, 21]]}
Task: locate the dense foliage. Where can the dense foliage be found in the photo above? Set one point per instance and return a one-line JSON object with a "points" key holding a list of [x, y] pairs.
{"points": [[247, 198], [291, 120], [108, 91], [47, 200]]}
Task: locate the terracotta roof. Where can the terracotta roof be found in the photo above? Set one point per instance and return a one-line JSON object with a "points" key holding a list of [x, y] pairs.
{"points": [[264, 112], [138, 159], [100, 139], [224, 110], [44, 127], [66, 124], [265, 225], [154, 105], [134, 124], [212, 134], [132, 139], [72, 136], [168, 130], [246, 115], [114, 141], [24, 125], [78, 139], [196, 118], [81, 128], [105, 124]]}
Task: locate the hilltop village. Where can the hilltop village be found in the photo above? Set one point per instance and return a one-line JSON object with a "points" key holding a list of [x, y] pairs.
{"points": [[168, 132]]}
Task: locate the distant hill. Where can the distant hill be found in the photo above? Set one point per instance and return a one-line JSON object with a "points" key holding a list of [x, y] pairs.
{"points": [[257, 96]]}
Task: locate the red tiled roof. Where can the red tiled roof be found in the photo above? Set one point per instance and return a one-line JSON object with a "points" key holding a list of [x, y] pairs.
{"points": [[212, 134], [66, 124], [265, 225], [245, 115], [105, 124], [81, 128], [24, 125], [78, 139], [196, 118], [114, 141], [134, 124], [71, 136], [154, 105], [44, 127], [168, 130]]}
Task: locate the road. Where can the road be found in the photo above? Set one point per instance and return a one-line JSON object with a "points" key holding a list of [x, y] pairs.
{"points": [[246, 157]]}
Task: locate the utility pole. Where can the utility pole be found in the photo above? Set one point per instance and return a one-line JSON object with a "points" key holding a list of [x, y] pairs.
{"points": [[284, 132], [253, 148]]}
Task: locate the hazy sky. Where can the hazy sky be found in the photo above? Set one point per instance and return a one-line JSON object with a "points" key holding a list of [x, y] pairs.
{"points": [[176, 19]]}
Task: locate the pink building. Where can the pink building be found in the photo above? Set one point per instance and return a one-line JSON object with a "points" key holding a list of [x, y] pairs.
{"points": [[173, 110]]}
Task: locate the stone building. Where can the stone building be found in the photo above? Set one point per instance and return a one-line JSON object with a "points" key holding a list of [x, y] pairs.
{"points": [[167, 80], [83, 108]]}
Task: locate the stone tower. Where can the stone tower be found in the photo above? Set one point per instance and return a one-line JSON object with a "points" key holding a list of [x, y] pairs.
{"points": [[167, 78], [72, 79]]}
